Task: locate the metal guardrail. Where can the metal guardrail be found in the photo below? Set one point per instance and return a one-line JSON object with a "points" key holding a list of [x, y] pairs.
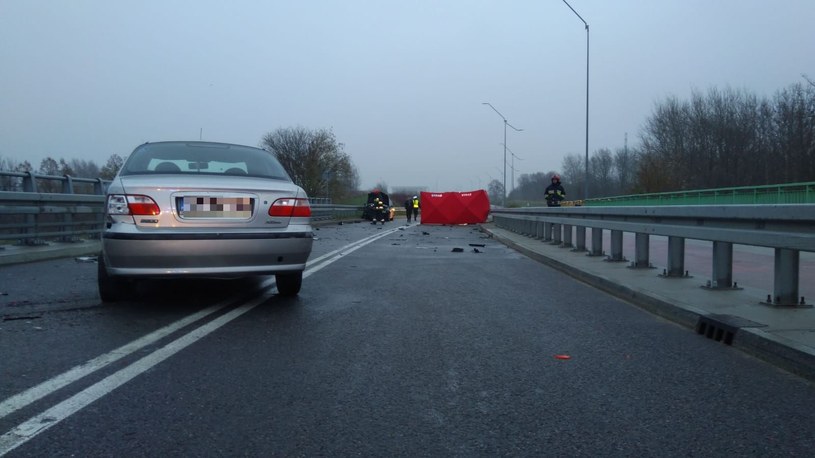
{"points": [[790, 193], [35, 218], [788, 229], [36, 209]]}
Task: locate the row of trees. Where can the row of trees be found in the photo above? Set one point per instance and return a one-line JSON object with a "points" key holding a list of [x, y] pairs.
{"points": [[49, 166], [723, 138], [313, 158]]}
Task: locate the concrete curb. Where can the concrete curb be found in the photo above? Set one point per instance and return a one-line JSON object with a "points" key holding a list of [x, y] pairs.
{"points": [[54, 250]]}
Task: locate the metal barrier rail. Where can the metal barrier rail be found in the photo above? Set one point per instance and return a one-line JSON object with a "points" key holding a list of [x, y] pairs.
{"points": [[789, 193], [32, 182], [789, 229], [31, 218]]}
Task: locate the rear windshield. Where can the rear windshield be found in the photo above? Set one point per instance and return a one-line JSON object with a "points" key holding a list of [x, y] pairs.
{"points": [[203, 158]]}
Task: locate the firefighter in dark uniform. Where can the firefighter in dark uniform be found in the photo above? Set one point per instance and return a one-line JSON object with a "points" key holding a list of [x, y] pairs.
{"points": [[380, 202], [408, 208], [555, 192]]}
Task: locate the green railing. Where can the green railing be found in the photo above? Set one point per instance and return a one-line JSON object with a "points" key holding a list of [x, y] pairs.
{"points": [[792, 193]]}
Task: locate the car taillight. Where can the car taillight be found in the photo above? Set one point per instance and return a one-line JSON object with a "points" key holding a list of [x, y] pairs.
{"points": [[290, 207], [132, 205]]}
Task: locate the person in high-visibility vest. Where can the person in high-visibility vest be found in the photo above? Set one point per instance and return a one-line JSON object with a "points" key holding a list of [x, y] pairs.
{"points": [[414, 206], [555, 192]]}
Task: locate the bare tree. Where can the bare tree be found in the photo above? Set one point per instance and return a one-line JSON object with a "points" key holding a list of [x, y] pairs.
{"points": [[532, 186], [111, 167], [602, 173], [49, 166], [84, 169], [573, 176], [495, 191], [314, 160], [625, 165]]}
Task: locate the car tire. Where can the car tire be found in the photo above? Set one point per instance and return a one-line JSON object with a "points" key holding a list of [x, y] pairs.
{"points": [[289, 284], [111, 289]]}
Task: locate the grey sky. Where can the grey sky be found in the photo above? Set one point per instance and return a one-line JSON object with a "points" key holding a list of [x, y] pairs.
{"points": [[400, 83]]}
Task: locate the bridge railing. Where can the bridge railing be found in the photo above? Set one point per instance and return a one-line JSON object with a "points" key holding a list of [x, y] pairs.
{"points": [[788, 229], [789, 193], [36, 209]]}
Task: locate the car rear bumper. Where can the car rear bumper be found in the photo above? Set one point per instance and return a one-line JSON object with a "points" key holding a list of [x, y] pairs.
{"points": [[220, 254]]}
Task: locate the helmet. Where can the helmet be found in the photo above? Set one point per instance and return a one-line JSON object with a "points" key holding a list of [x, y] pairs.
{"points": [[556, 177], [376, 190], [415, 197]]}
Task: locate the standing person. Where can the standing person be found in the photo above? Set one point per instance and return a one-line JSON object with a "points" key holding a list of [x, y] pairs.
{"points": [[555, 192], [380, 210], [378, 203], [408, 208], [414, 206]]}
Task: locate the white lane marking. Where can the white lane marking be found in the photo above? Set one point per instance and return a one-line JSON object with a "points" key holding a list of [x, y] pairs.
{"points": [[37, 392], [27, 430]]}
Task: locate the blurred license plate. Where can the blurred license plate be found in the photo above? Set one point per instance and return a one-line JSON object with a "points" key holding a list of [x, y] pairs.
{"points": [[216, 207]]}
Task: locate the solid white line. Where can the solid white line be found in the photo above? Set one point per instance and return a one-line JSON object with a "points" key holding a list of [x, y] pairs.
{"points": [[43, 389], [35, 393], [39, 423]]}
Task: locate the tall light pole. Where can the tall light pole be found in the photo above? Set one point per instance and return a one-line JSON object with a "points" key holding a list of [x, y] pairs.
{"points": [[506, 123], [512, 164], [586, 182]]}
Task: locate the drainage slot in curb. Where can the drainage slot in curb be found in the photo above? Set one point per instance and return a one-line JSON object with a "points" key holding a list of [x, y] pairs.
{"points": [[723, 328]]}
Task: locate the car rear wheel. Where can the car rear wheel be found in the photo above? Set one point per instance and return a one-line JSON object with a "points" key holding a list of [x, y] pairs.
{"points": [[289, 284], [111, 289]]}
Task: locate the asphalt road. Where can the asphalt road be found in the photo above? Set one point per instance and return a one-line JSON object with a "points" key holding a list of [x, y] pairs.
{"points": [[398, 347]]}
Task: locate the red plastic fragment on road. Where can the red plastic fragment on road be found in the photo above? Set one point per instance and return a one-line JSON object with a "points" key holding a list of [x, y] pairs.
{"points": [[563, 357]]}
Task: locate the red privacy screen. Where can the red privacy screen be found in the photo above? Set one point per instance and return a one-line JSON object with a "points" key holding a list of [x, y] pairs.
{"points": [[455, 207]]}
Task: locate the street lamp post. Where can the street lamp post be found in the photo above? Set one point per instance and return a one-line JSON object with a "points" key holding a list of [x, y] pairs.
{"points": [[586, 181], [512, 165], [506, 123]]}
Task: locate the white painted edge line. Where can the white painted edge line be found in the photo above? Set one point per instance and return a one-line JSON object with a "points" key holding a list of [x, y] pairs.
{"points": [[39, 423]]}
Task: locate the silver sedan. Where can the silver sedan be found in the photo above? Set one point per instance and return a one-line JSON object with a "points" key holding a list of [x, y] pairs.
{"points": [[202, 209]]}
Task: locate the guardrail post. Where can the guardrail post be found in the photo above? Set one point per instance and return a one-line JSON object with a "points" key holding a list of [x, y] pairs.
{"points": [[99, 187], [676, 258], [722, 277], [29, 182], [67, 218], [641, 251], [596, 242], [567, 236], [785, 281], [616, 247], [557, 234], [538, 229], [30, 185], [547, 231], [580, 235]]}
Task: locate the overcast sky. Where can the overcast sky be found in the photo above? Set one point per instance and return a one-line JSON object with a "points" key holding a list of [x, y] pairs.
{"points": [[401, 84]]}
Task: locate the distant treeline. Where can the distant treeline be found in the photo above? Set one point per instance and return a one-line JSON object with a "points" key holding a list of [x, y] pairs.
{"points": [[723, 138]]}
